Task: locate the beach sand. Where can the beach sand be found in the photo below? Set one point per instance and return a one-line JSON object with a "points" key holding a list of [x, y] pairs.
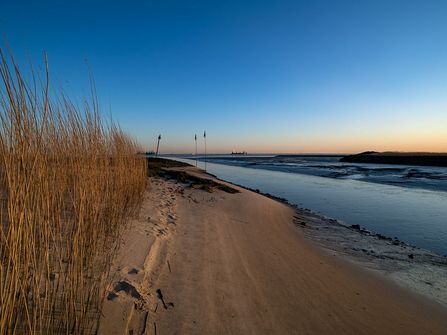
{"points": [[199, 260]]}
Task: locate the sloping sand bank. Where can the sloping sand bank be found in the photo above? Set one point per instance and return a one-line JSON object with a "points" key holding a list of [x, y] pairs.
{"points": [[204, 261]]}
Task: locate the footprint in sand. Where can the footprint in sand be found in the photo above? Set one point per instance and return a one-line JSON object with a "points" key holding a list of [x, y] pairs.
{"points": [[133, 271], [130, 290]]}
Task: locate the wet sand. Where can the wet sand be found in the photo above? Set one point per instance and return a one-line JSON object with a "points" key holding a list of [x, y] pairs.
{"points": [[199, 260]]}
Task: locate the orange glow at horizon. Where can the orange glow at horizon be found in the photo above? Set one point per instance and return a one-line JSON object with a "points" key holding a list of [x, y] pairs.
{"points": [[436, 144]]}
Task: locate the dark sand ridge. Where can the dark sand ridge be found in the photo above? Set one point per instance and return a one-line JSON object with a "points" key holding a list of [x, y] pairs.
{"points": [[401, 158], [201, 262]]}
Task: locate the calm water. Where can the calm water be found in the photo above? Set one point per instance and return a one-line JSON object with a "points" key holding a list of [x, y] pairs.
{"points": [[415, 211]]}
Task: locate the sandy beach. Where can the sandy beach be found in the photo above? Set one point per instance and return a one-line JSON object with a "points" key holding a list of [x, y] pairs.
{"points": [[201, 260]]}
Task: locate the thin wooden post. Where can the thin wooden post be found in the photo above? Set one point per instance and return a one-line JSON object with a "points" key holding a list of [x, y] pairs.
{"points": [[158, 145]]}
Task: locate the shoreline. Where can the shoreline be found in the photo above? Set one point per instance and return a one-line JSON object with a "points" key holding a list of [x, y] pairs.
{"points": [[207, 256], [418, 269]]}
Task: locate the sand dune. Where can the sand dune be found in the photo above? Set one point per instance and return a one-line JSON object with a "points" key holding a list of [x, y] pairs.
{"points": [[211, 262]]}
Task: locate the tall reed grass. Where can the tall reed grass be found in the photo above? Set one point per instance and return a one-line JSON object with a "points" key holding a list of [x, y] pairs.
{"points": [[68, 184]]}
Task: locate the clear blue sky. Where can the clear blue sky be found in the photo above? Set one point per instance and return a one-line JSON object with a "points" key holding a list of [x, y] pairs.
{"points": [[260, 76]]}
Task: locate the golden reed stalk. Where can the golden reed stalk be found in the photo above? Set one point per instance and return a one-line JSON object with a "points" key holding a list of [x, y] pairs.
{"points": [[68, 184]]}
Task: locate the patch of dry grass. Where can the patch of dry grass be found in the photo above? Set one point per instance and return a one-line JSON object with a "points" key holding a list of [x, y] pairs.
{"points": [[68, 184]]}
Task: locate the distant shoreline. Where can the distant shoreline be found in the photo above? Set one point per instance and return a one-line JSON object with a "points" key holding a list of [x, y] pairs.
{"points": [[396, 158], [367, 157]]}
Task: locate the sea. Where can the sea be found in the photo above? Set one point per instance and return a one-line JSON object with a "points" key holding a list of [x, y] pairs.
{"points": [[402, 201]]}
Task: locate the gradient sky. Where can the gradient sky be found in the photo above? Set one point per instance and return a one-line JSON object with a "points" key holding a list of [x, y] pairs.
{"points": [[260, 76]]}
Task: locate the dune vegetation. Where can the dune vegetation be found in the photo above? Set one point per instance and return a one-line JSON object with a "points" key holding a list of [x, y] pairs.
{"points": [[69, 183]]}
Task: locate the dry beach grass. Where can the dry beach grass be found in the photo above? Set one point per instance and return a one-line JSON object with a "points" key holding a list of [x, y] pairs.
{"points": [[69, 182]]}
